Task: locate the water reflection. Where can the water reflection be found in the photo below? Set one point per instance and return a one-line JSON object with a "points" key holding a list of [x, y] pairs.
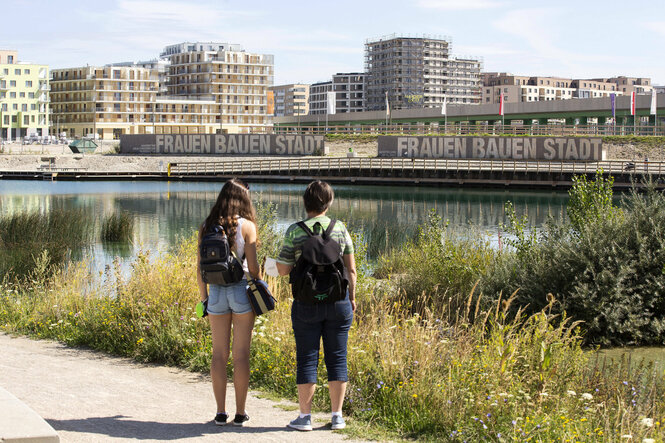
{"points": [[164, 211]]}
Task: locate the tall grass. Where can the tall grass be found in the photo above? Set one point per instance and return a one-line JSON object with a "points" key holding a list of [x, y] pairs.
{"points": [[482, 375], [24, 236], [429, 357], [117, 227], [438, 263]]}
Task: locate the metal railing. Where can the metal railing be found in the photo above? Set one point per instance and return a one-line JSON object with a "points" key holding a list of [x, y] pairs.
{"points": [[341, 165], [464, 129]]}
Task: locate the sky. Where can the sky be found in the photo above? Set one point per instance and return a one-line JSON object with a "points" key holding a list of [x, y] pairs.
{"points": [[312, 40]]}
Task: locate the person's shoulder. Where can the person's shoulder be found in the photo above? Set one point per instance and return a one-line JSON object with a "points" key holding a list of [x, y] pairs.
{"points": [[293, 228], [339, 225]]}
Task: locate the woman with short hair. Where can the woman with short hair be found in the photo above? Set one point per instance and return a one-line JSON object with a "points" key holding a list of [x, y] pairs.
{"points": [[328, 321]]}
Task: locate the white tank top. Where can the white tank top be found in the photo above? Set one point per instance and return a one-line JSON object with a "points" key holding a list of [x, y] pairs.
{"points": [[240, 243]]}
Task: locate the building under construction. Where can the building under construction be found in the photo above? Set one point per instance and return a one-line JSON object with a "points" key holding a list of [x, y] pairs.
{"points": [[418, 73]]}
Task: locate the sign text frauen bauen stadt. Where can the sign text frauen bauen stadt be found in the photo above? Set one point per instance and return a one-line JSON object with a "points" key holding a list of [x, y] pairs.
{"points": [[493, 148], [221, 144]]}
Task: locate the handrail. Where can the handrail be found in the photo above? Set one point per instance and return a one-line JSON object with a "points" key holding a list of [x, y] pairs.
{"points": [[293, 165], [456, 128]]}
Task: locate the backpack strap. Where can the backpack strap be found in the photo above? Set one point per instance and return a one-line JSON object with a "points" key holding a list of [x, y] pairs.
{"points": [[330, 227], [305, 228]]}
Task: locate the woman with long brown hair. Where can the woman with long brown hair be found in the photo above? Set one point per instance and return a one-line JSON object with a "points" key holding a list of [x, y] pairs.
{"points": [[228, 305]]}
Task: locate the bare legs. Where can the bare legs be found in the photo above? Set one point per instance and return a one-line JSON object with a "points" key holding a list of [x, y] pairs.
{"points": [[306, 394], [242, 338], [220, 326]]}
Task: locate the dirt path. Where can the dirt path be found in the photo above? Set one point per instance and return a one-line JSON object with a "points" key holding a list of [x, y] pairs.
{"points": [[90, 397]]}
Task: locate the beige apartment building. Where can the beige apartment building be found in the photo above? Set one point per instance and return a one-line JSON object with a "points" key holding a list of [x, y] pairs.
{"points": [[626, 85], [290, 99], [519, 89], [238, 82], [24, 97], [108, 101]]}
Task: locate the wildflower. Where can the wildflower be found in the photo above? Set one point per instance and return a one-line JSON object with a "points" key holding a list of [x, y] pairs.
{"points": [[587, 396], [139, 341], [544, 394], [415, 395], [647, 422], [648, 440], [571, 393]]}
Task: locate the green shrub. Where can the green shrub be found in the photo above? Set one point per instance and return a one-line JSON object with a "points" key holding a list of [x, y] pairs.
{"points": [[437, 263], [604, 267]]}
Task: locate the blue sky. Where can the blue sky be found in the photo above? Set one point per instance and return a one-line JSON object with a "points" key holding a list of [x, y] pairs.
{"points": [[313, 40]]}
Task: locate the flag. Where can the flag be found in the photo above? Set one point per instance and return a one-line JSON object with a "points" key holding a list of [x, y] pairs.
{"points": [[632, 103], [444, 107], [387, 106], [331, 102], [654, 101], [501, 104]]}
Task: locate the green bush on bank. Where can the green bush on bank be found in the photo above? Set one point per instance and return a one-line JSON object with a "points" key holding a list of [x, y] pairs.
{"points": [[436, 263], [605, 266]]}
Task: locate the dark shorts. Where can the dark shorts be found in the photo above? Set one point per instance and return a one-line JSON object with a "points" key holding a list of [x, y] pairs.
{"points": [[313, 322]]}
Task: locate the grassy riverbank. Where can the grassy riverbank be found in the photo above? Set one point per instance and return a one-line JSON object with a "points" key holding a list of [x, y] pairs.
{"points": [[429, 356], [482, 376]]}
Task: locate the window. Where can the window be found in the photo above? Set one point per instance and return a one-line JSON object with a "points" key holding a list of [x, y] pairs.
{"points": [[12, 83], [21, 94], [26, 119], [10, 59], [12, 95], [5, 71], [28, 83], [17, 71], [26, 71], [33, 107], [31, 95], [6, 120], [24, 107], [4, 107]]}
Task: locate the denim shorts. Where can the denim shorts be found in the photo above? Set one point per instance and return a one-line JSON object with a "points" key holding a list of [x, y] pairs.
{"points": [[313, 322], [226, 299]]}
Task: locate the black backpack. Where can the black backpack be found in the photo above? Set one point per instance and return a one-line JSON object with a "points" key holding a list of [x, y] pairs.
{"points": [[319, 275], [218, 265]]}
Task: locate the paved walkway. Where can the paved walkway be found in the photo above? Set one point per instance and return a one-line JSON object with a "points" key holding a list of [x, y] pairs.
{"points": [[90, 397]]}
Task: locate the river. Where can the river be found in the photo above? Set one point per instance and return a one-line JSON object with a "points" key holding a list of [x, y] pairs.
{"points": [[164, 211]]}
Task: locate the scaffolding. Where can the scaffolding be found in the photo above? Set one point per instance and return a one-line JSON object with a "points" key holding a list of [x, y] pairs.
{"points": [[418, 72]]}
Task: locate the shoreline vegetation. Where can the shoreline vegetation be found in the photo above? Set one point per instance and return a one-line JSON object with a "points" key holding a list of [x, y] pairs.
{"points": [[453, 339]]}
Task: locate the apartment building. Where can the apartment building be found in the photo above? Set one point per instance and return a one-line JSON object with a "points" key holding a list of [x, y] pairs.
{"points": [[24, 97], [594, 88], [417, 73], [349, 88], [517, 89], [109, 101], [161, 65], [626, 85], [318, 97], [349, 92], [290, 99], [238, 81]]}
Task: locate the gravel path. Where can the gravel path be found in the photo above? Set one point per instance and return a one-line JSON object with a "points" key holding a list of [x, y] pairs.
{"points": [[87, 396]]}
